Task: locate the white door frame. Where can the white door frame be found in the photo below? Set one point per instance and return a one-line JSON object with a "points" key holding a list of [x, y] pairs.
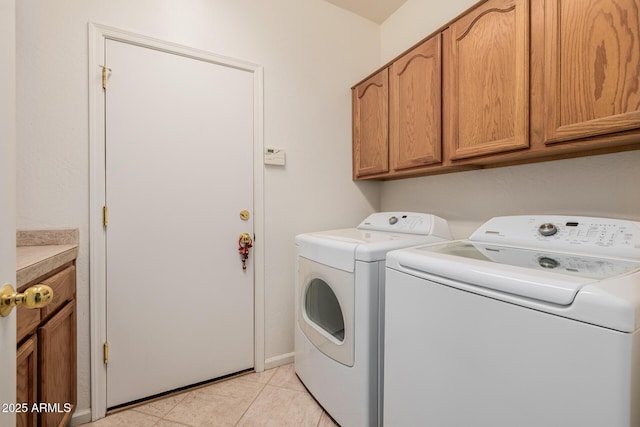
{"points": [[8, 202], [98, 34]]}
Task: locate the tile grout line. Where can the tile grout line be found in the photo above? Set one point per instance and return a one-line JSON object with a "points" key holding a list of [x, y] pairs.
{"points": [[173, 422], [264, 385], [174, 407], [162, 418]]}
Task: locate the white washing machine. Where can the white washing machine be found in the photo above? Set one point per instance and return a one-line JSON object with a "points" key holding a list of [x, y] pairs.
{"points": [[340, 278], [533, 321]]}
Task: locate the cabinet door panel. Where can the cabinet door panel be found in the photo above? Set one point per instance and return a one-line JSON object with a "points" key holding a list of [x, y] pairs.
{"points": [[57, 361], [592, 68], [371, 125], [415, 107], [487, 80], [27, 382]]}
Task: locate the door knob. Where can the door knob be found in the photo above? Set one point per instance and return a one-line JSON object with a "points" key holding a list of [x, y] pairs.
{"points": [[245, 238], [36, 296]]}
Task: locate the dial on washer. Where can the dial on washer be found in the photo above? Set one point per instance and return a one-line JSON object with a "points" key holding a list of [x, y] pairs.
{"points": [[547, 229]]}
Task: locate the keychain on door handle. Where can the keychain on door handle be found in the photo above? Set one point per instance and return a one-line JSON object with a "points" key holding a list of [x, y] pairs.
{"points": [[244, 243]]}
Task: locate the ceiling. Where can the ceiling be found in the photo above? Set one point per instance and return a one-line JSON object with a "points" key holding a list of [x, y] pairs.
{"points": [[374, 10]]}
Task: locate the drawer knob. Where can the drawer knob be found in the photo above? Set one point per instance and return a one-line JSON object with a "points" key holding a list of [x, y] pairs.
{"points": [[36, 296]]}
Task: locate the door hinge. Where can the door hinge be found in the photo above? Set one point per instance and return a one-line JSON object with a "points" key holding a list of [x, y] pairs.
{"points": [[105, 352], [105, 216], [104, 75]]}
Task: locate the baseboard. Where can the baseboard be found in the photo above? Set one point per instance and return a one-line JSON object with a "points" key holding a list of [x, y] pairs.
{"points": [[80, 417], [274, 362]]}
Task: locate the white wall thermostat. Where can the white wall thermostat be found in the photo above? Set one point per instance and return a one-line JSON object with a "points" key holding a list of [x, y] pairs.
{"points": [[274, 156]]}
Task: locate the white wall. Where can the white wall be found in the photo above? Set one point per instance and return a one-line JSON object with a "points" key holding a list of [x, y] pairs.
{"points": [[312, 53], [414, 21], [589, 186], [592, 186]]}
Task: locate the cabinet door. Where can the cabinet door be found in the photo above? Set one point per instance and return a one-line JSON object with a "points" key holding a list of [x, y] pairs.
{"points": [[27, 382], [592, 68], [371, 126], [57, 365], [486, 80], [415, 137]]}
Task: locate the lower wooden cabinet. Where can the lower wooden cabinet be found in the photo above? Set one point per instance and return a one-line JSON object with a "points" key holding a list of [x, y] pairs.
{"points": [[27, 382], [57, 363], [46, 356]]}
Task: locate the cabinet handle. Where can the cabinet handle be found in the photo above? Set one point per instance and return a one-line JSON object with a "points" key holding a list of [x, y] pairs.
{"points": [[36, 296]]}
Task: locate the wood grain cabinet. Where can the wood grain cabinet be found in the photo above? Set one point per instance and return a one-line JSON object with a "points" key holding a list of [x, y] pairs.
{"points": [[370, 103], [590, 58], [397, 127], [521, 81], [415, 138], [27, 381], [486, 80], [46, 357]]}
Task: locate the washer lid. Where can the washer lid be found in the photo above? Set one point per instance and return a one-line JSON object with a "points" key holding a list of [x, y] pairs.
{"points": [[341, 248], [545, 276]]}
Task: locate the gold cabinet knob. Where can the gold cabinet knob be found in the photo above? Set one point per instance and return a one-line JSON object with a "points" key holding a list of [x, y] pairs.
{"points": [[36, 296]]}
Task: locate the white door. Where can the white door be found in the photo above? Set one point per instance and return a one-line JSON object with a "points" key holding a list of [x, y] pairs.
{"points": [[179, 169], [7, 207]]}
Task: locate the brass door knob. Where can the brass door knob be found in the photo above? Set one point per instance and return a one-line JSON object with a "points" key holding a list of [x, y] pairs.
{"points": [[245, 238], [36, 296]]}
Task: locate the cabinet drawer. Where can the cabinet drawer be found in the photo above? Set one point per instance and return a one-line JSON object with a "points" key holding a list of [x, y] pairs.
{"points": [[64, 287]]}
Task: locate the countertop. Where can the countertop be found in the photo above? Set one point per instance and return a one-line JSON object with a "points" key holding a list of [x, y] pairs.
{"points": [[36, 256]]}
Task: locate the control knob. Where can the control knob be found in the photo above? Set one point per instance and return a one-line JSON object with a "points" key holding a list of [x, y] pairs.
{"points": [[547, 229], [547, 262], [393, 220]]}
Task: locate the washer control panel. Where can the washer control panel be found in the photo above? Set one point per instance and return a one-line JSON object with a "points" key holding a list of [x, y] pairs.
{"points": [[597, 236], [406, 222]]}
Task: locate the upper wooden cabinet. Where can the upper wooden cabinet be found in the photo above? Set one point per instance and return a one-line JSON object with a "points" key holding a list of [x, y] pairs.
{"points": [[370, 101], [507, 82], [591, 67], [397, 126], [415, 138], [486, 80]]}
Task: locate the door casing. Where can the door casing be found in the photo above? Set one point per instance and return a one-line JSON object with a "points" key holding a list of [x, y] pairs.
{"points": [[97, 247], [8, 202]]}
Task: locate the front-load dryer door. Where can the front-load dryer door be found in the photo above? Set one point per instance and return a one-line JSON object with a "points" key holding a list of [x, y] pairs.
{"points": [[326, 309]]}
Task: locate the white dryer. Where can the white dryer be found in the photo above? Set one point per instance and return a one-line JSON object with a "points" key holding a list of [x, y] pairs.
{"points": [[533, 321], [339, 310]]}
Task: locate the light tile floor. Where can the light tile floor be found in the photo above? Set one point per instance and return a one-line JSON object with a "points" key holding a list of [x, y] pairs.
{"points": [[273, 398]]}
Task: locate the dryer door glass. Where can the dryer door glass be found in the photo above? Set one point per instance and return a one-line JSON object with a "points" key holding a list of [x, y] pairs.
{"points": [[323, 309]]}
